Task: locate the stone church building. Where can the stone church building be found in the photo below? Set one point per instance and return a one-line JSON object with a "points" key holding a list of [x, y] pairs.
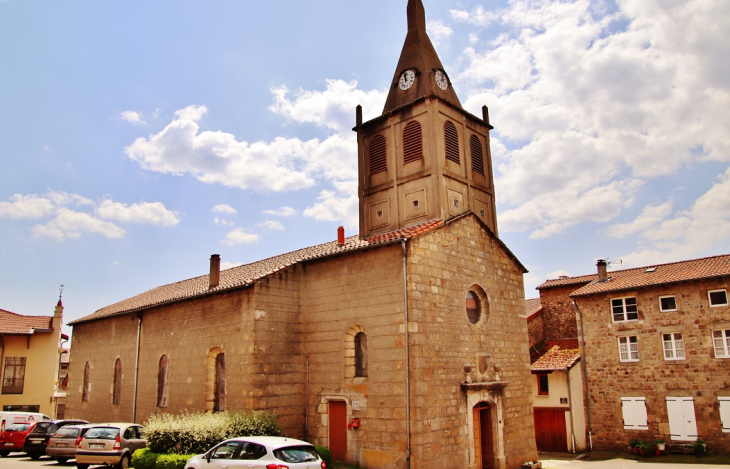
{"points": [[403, 346]]}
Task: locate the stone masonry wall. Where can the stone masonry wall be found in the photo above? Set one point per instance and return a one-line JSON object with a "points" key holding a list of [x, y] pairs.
{"points": [[700, 376], [559, 313], [536, 329], [442, 267]]}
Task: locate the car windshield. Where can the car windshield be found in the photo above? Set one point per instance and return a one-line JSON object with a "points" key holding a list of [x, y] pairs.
{"points": [[41, 427], [103, 433], [295, 454], [66, 432], [17, 427]]}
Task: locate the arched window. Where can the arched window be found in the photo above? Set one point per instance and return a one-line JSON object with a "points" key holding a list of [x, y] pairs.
{"points": [[220, 383], [412, 142], [361, 355], [162, 381], [85, 388], [117, 392], [451, 139], [215, 381], [378, 153], [477, 155]]}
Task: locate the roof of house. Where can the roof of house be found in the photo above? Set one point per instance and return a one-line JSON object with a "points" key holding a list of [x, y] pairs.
{"points": [[246, 275], [533, 306], [12, 323], [660, 274], [557, 359], [565, 281]]}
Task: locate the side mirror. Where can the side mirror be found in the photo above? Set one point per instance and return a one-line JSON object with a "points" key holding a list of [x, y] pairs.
{"points": [[207, 456]]}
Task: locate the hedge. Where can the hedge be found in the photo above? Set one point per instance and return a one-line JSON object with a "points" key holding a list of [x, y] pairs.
{"points": [[146, 459], [196, 432]]}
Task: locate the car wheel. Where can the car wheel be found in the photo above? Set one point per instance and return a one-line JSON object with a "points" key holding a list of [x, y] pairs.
{"points": [[62, 460], [124, 462], [34, 456], [4, 453], [82, 466]]}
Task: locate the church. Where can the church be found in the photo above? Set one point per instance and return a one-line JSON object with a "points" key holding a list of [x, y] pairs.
{"points": [[403, 346]]}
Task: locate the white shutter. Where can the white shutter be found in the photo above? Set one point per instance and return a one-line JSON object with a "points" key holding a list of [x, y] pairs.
{"points": [[682, 423], [634, 413], [724, 413]]}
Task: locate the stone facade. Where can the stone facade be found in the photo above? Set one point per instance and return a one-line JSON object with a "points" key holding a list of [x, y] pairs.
{"points": [[559, 312], [286, 349], [700, 379]]}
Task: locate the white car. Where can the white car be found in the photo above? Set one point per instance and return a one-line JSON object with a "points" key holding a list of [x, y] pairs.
{"points": [[259, 452]]}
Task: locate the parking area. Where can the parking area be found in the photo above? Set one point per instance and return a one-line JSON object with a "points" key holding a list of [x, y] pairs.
{"points": [[21, 461]]}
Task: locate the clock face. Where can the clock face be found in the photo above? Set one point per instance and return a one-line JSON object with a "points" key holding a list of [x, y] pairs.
{"points": [[442, 80], [406, 80]]}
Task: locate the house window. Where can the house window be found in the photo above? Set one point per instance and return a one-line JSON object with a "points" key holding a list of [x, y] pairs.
{"points": [[451, 139], [85, 388], [378, 155], [14, 375], [673, 346], [628, 349], [724, 403], [624, 309], [412, 142], [721, 341], [634, 413], [543, 389], [667, 303], [477, 155], [717, 298], [162, 381], [361, 355], [116, 395]]}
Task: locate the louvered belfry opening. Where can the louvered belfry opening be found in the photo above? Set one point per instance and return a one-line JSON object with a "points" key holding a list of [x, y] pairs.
{"points": [[378, 155], [477, 155], [412, 142], [451, 138]]}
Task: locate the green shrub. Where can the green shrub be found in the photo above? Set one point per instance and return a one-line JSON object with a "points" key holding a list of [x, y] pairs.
{"points": [[196, 432], [146, 459], [325, 454], [172, 461]]}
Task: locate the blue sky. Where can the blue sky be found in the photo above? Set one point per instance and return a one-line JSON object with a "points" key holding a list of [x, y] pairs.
{"points": [[138, 138]]}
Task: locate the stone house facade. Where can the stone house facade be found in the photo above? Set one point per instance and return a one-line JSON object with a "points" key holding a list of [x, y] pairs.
{"points": [[403, 346], [656, 344]]}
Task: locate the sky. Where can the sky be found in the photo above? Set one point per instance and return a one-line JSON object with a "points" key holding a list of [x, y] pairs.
{"points": [[138, 138]]}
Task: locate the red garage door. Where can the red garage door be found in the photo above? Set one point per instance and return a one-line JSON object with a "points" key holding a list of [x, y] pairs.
{"points": [[550, 433]]}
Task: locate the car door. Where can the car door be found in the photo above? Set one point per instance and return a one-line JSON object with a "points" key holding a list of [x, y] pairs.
{"points": [[250, 456], [133, 436], [222, 456]]}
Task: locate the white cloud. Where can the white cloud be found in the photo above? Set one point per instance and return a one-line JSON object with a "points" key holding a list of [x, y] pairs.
{"points": [[133, 117], [282, 212], [225, 209], [26, 207], [150, 213], [229, 265], [71, 224], [271, 225], [651, 216], [239, 236], [478, 16], [341, 206], [438, 31], [220, 221]]}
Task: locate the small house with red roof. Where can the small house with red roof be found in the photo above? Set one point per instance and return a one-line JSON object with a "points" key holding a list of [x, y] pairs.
{"points": [[29, 353]]}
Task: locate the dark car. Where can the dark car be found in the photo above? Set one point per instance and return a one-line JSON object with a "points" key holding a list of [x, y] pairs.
{"points": [[13, 437], [63, 443], [37, 439]]}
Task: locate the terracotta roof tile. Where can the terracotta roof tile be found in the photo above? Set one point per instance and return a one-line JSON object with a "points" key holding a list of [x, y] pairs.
{"points": [[244, 275], [533, 306], [557, 359], [695, 269], [566, 281], [11, 323]]}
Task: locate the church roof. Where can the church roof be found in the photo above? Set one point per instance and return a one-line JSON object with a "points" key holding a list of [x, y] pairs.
{"points": [[248, 274], [418, 54], [12, 323]]}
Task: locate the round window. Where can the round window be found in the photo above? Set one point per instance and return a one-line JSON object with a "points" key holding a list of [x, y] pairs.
{"points": [[473, 307]]}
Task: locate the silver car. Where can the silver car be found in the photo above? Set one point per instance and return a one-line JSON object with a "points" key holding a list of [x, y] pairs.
{"points": [[110, 444], [259, 452], [62, 444]]}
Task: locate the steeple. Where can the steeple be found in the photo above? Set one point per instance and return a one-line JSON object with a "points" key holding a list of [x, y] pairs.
{"points": [[418, 55]]}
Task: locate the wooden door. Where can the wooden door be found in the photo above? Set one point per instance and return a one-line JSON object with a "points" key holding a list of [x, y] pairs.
{"points": [[483, 436], [338, 430], [550, 432]]}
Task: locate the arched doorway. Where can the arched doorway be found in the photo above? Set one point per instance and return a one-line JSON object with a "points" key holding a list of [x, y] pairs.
{"points": [[483, 435]]}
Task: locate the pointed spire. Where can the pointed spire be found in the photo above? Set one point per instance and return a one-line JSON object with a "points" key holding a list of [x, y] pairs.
{"points": [[418, 55]]}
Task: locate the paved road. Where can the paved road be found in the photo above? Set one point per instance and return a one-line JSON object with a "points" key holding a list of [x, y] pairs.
{"points": [[620, 464], [21, 461]]}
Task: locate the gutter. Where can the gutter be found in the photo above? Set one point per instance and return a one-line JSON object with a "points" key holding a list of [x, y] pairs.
{"points": [[408, 354], [585, 374]]}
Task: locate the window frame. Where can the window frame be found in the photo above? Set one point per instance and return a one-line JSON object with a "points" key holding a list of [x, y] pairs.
{"points": [[725, 338], [543, 389], [629, 353], [674, 347], [624, 309], [718, 305], [724, 412], [15, 367], [667, 310]]}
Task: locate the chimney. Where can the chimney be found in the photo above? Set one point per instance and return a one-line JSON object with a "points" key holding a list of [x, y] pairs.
{"points": [[602, 274], [341, 236], [485, 114], [215, 271], [358, 116]]}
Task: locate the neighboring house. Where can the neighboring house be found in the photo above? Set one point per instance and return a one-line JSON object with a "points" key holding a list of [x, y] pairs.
{"points": [[62, 382], [558, 401], [656, 344], [405, 342], [29, 357]]}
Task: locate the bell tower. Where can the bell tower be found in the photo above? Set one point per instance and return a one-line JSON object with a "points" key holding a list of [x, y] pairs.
{"points": [[425, 157]]}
